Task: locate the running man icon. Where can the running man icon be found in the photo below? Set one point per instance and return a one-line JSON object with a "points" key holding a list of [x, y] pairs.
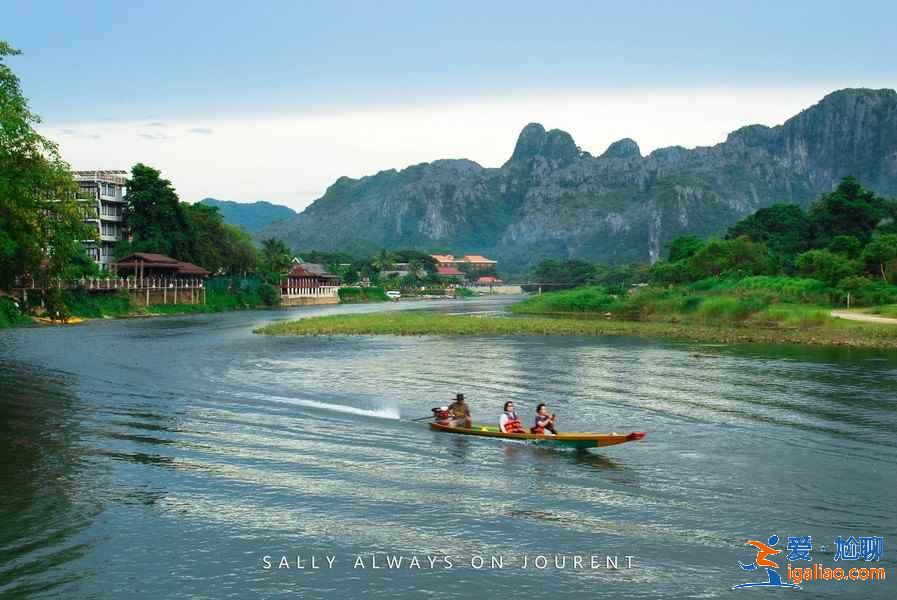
{"points": [[773, 579]]}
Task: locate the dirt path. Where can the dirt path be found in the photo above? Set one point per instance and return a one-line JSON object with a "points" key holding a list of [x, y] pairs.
{"points": [[855, 316]]}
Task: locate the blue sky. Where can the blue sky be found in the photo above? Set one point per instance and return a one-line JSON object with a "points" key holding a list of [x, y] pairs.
{"points": [[376, 85]]}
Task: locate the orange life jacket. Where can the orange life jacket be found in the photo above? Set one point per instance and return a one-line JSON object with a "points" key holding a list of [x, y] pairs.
{"points": [[514, 426]]}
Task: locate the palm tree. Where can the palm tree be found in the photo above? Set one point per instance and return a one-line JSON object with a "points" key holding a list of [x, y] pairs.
{"points": [[384, 261]]}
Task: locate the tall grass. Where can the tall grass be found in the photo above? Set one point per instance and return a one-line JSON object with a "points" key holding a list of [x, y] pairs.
{"points": [[592, 299], [422, 323]]}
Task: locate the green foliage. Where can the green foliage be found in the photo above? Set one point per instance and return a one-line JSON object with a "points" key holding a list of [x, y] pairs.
{"points": [[359, 295], [825, 266], [10, 314], [784, 289], [846, 233], [383, 261], [847, 245], [868, 292], [563, 274], [82, 303], [194, 233], [463, 292], [684, 247], [880, 256], [215, 245], [740, 256], [784, 228], [276, 260], [619, 279], [157, 220], [590, 299], [794, 324], [669, 273], [849, 210], [39, 216]]}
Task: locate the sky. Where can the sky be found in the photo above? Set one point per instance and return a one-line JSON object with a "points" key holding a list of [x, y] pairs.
{"points": [[275, 100]]}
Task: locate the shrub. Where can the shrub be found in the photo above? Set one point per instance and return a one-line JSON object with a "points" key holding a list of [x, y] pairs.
{"points": [[826, 266], [357, 295], [583, 299], [867, 292], [10, 314]]}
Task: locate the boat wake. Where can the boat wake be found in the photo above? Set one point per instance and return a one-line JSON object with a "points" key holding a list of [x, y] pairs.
{"points": [[386, 412]]}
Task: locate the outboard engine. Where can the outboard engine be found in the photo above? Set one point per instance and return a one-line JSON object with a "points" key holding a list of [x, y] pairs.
{"points": [[441, 414]]}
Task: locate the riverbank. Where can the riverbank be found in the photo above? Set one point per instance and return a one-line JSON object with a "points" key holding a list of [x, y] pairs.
{"points": [[82, 305], [835, 332]]}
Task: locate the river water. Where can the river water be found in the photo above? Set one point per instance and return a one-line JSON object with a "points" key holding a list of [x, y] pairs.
{"points": [[180, 457]]}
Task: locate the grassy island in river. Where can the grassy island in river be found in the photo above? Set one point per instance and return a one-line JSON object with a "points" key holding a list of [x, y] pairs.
{"points": [[828, 331]]}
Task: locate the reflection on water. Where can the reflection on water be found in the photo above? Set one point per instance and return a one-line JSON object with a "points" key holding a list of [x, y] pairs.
{"points": [[178, 451]]}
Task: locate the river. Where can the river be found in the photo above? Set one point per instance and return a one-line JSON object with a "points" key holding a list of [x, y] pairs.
{"points": [[181, 457]]}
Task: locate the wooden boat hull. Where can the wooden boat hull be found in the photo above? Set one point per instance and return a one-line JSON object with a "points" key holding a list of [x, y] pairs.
{"points": [[566, 440], [69, 321]]}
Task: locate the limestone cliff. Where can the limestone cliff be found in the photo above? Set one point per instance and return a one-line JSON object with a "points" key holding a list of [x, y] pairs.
{"points": [[551, 199]]}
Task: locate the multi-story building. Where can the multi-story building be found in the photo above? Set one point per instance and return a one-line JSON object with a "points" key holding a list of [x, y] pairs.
{"points": [[104, 193], [474, 261]]}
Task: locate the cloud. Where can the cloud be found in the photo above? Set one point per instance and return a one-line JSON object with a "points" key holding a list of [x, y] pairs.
{"points": [[79, 134], [256, 156], [156, 124], [202, 130]]}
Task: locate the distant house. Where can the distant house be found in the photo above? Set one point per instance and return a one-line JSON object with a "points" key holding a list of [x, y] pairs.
{"points": [[480, 263], [450, 273], [143, 265], [488, 280], [398, 269], [444, 260], [309, 283]]}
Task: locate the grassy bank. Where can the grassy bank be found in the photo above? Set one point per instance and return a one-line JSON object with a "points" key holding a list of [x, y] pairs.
{"points": [[79, 303], [10, 315], [362, 295], [824, 332]]}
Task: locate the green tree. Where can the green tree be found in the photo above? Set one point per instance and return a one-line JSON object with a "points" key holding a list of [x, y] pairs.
{"points": [[847, 245], [155, 216], [241, 256], [784, 228], [276, 259], [849, 210], [215, 245], [880, 255], [384, 261], [40, 219], [740, 256], [826, 266], [684, 247], [563, 274]]}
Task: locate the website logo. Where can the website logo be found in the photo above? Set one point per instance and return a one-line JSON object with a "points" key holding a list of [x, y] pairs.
{"points": [[869, 549], [773, 579]]}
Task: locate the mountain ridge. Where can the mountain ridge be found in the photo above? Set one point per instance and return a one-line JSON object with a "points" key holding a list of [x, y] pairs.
{"points": [[552, 199], [253, 216]]}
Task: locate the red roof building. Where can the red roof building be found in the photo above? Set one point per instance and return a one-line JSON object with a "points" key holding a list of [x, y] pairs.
{"points": [[474, 260], [148, 264], [449, 272], [489, 280]]}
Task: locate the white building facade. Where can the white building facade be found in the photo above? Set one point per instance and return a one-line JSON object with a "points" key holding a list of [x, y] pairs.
{"points": [[104, 192]]}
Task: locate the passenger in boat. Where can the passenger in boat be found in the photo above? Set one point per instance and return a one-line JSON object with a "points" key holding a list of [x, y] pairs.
{"points": [[508, 421], [544, 422], [460, 413]]}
